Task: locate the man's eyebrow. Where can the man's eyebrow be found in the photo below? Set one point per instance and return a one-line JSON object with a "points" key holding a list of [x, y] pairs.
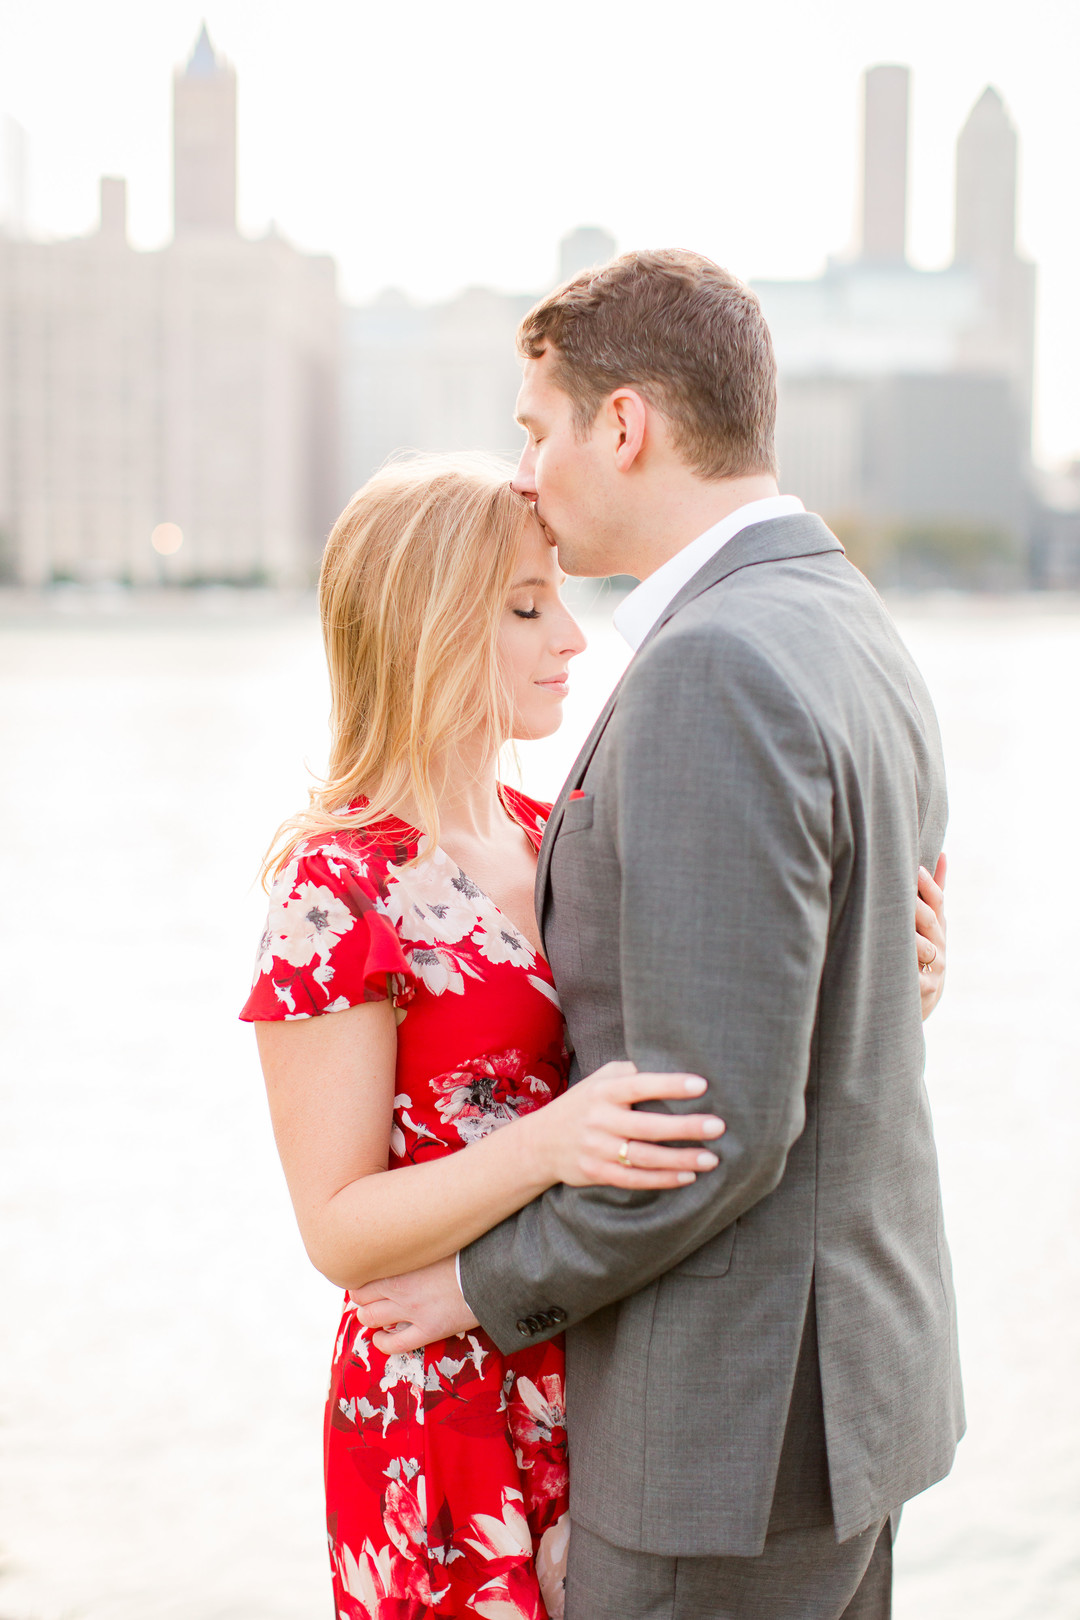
{"points": [[524, 420]]}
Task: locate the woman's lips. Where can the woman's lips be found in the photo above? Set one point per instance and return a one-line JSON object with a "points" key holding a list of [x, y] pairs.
{"points": [[557, 685]]}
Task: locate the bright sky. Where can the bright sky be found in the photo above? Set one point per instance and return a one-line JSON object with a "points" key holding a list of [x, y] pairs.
{"points": [[436, 145]]}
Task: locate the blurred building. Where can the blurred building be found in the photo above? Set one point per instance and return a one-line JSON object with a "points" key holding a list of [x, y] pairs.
{"points": [[171, 414], [583, 248], [1055, 540], [434, 377], [905, 394], [443, 376]]}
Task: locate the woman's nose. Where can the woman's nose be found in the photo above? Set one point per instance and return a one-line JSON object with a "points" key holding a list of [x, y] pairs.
{"points": [[574, 639]]}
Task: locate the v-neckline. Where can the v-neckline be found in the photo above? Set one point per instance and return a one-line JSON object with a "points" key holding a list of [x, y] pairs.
{"points": [[497, 909]]}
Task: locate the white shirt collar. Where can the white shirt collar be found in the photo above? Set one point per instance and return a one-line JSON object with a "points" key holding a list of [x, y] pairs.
{"points": [[638, 612]]}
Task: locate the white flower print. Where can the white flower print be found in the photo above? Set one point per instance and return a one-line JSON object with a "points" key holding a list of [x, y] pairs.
{"points": [[495, 1601], [432, 902], [307, 924], [405, 1517], [442, 970], [402, 1468], [551, 1566], [544, 1412], [508, 1537], [402, 1103], [545, 989], [343, 860], [368, 1578], [407, 1367], [499, 941]]}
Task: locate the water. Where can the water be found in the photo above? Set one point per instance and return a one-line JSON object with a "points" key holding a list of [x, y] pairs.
{"points": [[165, 1343]]}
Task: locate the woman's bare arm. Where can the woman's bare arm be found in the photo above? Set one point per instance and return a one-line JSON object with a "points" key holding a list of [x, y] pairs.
{"points": [[330, 1082]]}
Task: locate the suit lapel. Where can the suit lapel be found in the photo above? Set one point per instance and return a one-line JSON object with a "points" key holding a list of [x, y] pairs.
{"points": [[573, 781], [779, 539]]}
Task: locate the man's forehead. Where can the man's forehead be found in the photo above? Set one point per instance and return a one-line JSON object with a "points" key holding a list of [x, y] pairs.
{"points": [[535, 392]]}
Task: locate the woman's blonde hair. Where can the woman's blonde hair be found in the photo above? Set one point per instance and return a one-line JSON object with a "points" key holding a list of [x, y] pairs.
{"points": [[413, 586]]}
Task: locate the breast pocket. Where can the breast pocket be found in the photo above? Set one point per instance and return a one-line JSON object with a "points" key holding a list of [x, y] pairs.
{"points": [[577, 815], [713, 1259]]}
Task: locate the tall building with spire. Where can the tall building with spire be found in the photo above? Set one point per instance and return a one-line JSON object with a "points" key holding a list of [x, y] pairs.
{"points": [[1003, 336], [204, 142], [171, 415], [905, 394]]}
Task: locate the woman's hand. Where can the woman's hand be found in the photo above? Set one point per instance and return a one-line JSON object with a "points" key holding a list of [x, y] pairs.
{"points": [[930, 935], [592, 1136]]}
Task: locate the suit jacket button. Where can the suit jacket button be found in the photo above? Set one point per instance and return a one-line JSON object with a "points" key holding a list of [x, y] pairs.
{"points": [[523, 1328], [544, 1320], [557, 1314]]}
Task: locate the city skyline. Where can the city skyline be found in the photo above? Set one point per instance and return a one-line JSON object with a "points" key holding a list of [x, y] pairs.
{"points": [[377, 148], [187, 412]]}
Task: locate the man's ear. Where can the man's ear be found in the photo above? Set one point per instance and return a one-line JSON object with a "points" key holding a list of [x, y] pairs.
{"points": [[628, 415]]}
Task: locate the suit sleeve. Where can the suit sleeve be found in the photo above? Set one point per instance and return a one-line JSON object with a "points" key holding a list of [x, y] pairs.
{"points": [[724, 830]]}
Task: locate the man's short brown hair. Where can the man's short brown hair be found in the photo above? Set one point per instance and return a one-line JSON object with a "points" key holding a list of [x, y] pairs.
{"points": [[687, 335]]}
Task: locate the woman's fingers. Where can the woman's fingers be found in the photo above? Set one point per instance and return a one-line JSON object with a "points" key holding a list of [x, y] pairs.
{"points": [[651, 1156], [930, 890], [606, 1173], [645, 1126], [632, 1088]]}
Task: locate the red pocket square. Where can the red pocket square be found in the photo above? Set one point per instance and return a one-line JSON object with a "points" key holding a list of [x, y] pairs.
{"points": [[578, 793]]}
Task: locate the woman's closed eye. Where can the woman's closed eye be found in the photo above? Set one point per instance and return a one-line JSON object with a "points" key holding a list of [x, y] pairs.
{"points": [[527, 613]]}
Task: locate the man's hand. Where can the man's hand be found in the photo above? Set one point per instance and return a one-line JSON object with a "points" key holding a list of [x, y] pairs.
{"points": [[414, 1309]]}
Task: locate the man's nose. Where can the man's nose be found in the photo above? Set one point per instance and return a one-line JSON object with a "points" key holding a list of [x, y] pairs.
{"points": [[524, 479]]}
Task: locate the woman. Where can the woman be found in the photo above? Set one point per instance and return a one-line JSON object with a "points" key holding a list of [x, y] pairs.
{"points": [[403, 905]]}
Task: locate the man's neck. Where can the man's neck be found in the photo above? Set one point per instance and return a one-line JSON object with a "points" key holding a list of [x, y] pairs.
{"points": [[686, 512]]}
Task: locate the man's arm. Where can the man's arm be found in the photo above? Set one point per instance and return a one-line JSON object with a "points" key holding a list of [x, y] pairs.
{"points": [[724, 828]]}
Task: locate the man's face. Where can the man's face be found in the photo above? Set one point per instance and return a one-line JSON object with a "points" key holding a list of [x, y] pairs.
{"points": [[567, 476]]}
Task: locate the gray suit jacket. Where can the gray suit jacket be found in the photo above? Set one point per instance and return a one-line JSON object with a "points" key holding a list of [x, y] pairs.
{"points": [[734, 896]]}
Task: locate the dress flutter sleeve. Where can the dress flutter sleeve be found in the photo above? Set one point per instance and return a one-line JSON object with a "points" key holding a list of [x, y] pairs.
{"points": [[328, 943]]}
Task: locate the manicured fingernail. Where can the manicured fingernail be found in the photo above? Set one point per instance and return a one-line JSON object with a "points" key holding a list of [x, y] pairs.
{"points": [[687, 1175], [695, 1085], [923, 872], [713, 1127], [707, 1161]]}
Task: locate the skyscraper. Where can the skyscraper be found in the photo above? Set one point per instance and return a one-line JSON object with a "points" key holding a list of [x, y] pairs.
{"points": [[171, 414], [986, 184], [886, 92], [204, 142], [1003, 337]]}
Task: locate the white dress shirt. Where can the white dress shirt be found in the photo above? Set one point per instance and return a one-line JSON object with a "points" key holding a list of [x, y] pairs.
{"points": [[638, 612]]}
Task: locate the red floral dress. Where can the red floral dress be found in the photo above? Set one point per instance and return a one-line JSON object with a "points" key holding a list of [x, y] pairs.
{"points": [[446, 1478]]}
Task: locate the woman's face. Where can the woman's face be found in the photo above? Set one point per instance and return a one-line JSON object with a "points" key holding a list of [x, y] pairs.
{"points": [[537, 638]]}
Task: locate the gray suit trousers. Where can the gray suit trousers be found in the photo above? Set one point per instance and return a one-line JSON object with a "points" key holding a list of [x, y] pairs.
{"points": [[801, 1575]]}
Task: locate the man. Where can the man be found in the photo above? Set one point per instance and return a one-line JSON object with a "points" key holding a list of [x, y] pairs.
{"points": [[762, 1368]]}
